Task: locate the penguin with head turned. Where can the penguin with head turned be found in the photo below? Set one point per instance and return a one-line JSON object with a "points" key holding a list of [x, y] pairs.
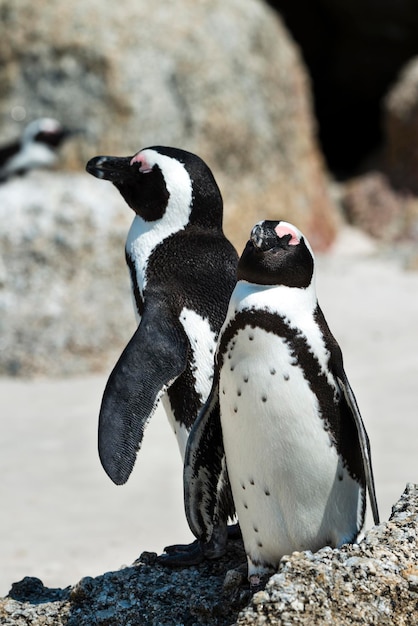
{"points": [[183, 271], [281, 421], [36, 148]]}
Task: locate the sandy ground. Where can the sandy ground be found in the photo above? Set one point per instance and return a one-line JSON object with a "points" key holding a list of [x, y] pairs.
{"points": [[61, 518]]}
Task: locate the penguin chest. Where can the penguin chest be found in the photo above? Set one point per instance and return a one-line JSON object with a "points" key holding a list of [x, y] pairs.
{"points": [[282, 464]]}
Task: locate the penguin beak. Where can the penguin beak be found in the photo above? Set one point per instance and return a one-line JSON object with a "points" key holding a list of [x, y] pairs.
{"points": [[115, 169], [263, 237], [70, 132]]}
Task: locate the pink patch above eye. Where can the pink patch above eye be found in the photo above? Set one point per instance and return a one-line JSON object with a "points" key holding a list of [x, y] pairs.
{"points": [[283, 229], [144, 166]]}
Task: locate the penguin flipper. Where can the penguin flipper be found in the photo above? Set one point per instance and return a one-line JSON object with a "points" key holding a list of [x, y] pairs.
{"points": [[207, 492], [351, 401], [352, 410], [154, 357]]}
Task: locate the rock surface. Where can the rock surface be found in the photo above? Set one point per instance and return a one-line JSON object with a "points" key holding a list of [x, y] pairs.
{"points": [[373, 582], [221, 78]]}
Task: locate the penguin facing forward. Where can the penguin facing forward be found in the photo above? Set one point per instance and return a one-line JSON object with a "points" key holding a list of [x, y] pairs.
{"points": [[281, 421], [37, 148], [183, 271]]}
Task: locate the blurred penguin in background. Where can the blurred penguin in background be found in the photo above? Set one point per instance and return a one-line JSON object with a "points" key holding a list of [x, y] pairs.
{"points": [[36, 148]]}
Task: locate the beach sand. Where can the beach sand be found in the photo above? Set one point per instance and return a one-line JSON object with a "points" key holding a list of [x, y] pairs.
{"points": [[62, 518]]}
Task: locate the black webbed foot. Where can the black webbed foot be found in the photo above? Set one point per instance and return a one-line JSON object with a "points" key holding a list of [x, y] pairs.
{"points": [[182, 555]]}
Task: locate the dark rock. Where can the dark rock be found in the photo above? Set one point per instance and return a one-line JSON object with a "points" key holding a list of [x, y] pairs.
{"points": [[400, 118], [383, 201], [32, 590], [354, 51]]}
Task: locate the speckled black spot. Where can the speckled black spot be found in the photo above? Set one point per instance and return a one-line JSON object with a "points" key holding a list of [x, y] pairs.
{"points": [[264, 398], [245, 505], [251, 481], [239, 392], [286, 376], [272, 371], [260, 545], [245, 379], [243, 486], [235, 409], [251, 337], [340, 476], [255, 529], [223, 392], [232, 368]]}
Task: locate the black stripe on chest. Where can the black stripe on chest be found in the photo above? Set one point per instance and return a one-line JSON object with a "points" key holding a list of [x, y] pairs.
{"points": [[333, 411], [298, 345]]}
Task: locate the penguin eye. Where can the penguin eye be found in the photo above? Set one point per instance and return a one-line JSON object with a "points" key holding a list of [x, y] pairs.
{"points": [[144, 166]]}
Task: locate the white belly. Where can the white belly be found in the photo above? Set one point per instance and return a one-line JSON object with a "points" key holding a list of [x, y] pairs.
{"points": [[283, 470]]}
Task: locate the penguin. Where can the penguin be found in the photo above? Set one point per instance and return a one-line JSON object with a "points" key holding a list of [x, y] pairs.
{"points": [[35, 149], [281, 433], [183, 271]]}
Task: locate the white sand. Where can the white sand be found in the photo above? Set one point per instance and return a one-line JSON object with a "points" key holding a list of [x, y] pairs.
{"points": [[62, 518]]}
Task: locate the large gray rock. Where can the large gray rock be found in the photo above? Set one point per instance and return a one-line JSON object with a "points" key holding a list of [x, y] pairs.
{"points": [[65, 305], [373, 582], [218, 77]]}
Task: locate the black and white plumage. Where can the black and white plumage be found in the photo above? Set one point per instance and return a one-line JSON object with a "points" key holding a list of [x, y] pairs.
{"points": [[281, 424], [37, 148], [183, 270]]}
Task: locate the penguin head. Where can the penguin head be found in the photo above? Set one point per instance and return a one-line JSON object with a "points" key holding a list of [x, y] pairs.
{"points": [[47, 131], [161, 181], [277, 254]]}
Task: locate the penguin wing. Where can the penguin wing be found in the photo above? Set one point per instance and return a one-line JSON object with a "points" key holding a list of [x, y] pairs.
{"points": [[349, 407], [154, 357], [207, 492], [351, 401]]}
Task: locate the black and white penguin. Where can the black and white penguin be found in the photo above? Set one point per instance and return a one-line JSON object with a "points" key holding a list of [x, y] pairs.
{"points": [[35, 149], [183, 271], [281, 413]]}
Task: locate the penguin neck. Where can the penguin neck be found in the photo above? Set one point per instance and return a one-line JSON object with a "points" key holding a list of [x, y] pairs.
{"points": [[279, 299], [144, 237]]}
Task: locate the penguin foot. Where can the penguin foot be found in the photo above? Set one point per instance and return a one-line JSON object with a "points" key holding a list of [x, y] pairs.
{"points": [[180, 547], [258, 582], [182, 555]]}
